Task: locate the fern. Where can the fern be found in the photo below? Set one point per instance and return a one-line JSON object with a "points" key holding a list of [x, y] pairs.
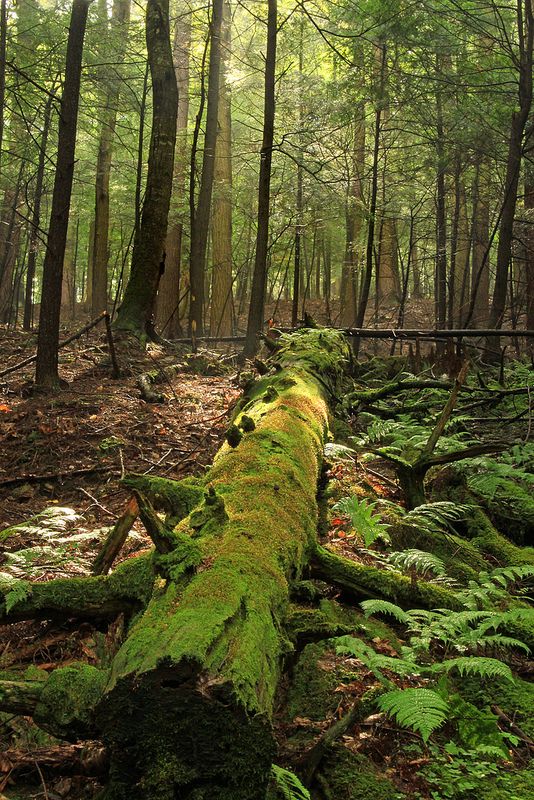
{"points": [[287, 785], [362, 517], [15, 591], [384, 607], [417, 561], [436, 516], [422, 710], [469, 665], [350, 645]]}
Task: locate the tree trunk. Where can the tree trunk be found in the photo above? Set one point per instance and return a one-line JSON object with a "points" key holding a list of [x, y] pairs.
{"points": [[481, 246], [259, 277], [201, 219], [135, 313], [46, 373], [461, 270], [513, 166], [36, 219], [3, 37], [186, 707], [529, 250], [168, 312], [369, 253], [221, 316], [120, 20]]}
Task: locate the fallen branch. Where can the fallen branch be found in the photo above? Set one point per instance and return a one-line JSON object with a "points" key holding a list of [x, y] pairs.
{"points": [[62, 344]]}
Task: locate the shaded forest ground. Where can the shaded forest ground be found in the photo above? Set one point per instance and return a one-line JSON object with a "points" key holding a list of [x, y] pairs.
{"points": [[81, 441]]}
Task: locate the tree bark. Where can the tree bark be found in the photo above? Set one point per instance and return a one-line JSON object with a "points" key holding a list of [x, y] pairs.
{"points": [[135, 313], [36, 219], [46, 373], [259, 277], [221, 310], [118, 29], [168, 311], [513, 165], [201, 219]]}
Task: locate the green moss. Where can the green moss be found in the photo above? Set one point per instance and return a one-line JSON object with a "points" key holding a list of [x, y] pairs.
{"points": [[311, 694], [128, 588], [462, 560], [515, 698], [487, 539], [176, 498], [351, 776], [67, 701], [364, 581]]}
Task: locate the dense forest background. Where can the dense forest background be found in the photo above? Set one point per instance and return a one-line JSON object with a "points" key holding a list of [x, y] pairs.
{"points": [[401, 171]]}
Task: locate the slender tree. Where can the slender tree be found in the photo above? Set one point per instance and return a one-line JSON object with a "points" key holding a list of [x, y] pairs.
{"points": [[259, 278], [46, 373], [135, 313], [221, 309], [120, 19], [525, 27], [168, 309], [201, 218]]}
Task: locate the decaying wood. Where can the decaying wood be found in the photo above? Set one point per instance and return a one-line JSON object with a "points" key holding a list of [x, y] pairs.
{"points": [[187, 702]]}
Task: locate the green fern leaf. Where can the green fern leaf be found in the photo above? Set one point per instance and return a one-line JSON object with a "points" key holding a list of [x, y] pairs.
{"points": [[422, 710], [472, 665], [384, 607], [287, 785], [417, 560]]}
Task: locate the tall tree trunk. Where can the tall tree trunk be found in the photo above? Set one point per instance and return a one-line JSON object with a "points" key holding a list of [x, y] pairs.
{"points": [[3, 38], [461, 261], [36, 218], [118, 30], [369, 253], [168, 314], [201, 219], [388, 284], [441, 217], [481, 247], [299, 229], [519, 120], [529, 250], [259, 278], [221, 316], [135, 313], [46, 373]]}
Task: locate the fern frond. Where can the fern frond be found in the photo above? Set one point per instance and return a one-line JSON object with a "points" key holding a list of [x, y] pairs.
{"points": [[418, 560], [384, 607], [422, 710], [472, 665], [288, 786]]}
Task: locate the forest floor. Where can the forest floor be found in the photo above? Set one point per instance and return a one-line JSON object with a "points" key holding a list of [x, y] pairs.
{"points": [[65, 454]]}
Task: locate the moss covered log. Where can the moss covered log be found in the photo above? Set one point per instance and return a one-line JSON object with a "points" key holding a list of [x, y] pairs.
{"points": [[186, 706], [127, 590]]}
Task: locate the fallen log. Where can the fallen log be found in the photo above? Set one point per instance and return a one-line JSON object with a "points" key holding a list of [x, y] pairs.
{"points": [[186, 705]]}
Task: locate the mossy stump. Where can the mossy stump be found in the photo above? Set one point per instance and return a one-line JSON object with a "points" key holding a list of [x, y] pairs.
{"points": [[187, 702]]}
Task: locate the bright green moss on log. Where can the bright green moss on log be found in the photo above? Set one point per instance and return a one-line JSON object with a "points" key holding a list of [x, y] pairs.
{"points": [[127, 589], [362, 582], [176, 498], [187, 709], [67, 701], [487, 539]]}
